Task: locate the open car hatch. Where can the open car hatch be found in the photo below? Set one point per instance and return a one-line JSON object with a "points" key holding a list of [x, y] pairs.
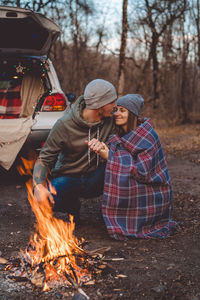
{"points": [[26, 32]]}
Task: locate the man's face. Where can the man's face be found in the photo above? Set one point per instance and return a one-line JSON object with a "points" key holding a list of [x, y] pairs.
{"points": [[107, 110]]}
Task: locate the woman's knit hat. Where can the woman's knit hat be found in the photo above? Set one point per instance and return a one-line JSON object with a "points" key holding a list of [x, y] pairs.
{"points": [[98, 93], [132, 102]]}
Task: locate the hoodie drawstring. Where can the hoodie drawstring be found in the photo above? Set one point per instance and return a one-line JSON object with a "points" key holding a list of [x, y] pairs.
{"points": [[89, 151], [98, 140], [89, 135]]}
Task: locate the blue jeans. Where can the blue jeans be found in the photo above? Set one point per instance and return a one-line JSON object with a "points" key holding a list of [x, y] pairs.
{"points": [[70, 188]]}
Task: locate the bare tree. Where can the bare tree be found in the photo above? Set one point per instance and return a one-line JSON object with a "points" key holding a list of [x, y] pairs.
{"points": [[36, 5], [158, 16], [195, 12], [123, 49], [183, 108]]}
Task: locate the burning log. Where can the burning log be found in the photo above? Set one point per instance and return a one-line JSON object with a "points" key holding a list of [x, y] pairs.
{"points": [[76, 286], [38, 279]]}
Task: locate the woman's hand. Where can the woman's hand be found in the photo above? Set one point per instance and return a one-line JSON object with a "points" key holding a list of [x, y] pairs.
{"points": [[41, 193], [99, 148]]}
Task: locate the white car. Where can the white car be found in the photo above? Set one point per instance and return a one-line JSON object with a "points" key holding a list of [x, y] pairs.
{"points": [[31, 98]]}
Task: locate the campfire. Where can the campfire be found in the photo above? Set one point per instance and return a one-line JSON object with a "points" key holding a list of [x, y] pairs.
{"points": [[54, 256]]}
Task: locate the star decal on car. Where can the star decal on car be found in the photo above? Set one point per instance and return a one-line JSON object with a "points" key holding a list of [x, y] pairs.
{"points": [[19, 69]]}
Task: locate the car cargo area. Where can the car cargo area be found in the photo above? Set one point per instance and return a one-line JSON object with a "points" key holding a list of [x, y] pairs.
{"points": [[23, 82]]}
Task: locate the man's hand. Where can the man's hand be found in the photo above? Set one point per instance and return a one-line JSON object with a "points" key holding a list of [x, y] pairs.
{"points": [[41, 193], [98, 147]]}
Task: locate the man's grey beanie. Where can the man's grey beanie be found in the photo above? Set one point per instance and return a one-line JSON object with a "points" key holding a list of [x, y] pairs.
{"points": [[98, 93], [132, 102]]}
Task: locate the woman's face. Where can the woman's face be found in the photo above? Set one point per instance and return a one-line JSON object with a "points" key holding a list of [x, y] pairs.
{"points": [[121, 116]]}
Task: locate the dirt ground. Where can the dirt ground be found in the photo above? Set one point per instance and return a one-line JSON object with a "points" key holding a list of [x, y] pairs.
{"points": [[154, 269]]}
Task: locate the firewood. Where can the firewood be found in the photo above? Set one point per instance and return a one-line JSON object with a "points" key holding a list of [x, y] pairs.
{"points": [[98, 251], [19, 278], [76, 286], [38, 279], [114, 259]]}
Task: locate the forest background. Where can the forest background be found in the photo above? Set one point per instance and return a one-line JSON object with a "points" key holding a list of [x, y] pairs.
{"points": [[150, 47]]}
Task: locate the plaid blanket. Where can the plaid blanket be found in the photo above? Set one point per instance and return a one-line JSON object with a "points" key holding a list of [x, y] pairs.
{"points": [[137, 189], [10, 103]]}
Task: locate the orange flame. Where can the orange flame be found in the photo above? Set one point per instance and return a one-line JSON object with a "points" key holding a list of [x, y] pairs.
{"points": [[53, 244]]}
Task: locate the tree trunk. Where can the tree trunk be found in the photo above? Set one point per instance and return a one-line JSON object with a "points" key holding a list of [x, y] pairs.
{"points": [[155, 69], [121, 79], [198, 30], [183, 104]]}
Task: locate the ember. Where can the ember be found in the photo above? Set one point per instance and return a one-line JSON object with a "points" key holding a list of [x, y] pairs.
{"points": [[54, 255]]}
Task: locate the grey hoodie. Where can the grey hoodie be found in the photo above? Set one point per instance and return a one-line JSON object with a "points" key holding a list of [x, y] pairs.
{"points": [[65, 151]]}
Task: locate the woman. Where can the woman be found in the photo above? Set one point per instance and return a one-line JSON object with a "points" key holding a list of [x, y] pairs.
{"points": [[137, 188]]}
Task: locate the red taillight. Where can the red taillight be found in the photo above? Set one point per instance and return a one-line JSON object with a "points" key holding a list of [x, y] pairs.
{"points": [[54, 102]]}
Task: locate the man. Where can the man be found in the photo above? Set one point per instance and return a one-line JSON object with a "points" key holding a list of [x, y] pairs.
{"points": [[66, 158]]}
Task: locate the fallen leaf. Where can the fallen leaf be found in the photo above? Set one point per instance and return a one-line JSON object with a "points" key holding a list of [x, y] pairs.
{"points": [[121, 276], [91, 282], [139, 259], [3, 261], [102, 266], [144, 249], [171, 266], [18, 186]]}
